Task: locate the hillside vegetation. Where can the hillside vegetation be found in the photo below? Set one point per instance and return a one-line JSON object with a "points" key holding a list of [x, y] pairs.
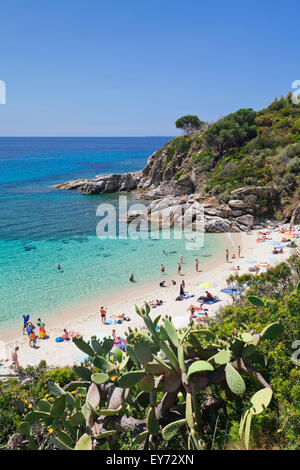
{"points": [[233, 385], [243, 149]]}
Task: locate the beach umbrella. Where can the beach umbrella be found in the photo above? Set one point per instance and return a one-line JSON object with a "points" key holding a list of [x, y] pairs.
{"points": [[204, 285], [263, 264], [232, 290], [275, 243], [180, 322]]}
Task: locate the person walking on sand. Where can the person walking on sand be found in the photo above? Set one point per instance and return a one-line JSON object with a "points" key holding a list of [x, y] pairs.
{"points": [[103, 314], [197, 265], [178, 268], [227, 256], [31, 336], [239, 251], [15, 359]]}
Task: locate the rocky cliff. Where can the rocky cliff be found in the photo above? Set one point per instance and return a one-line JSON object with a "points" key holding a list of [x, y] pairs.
{"points": [[245, 166]]}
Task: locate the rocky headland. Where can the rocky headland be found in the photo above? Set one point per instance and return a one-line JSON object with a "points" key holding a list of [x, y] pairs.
{"points": [[244, 169]]}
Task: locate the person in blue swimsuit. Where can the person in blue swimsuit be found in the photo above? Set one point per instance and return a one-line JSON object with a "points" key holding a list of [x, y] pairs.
{"points": [[26, 320]]}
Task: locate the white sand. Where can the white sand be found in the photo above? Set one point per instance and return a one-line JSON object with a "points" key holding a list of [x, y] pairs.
{"points": [[61, 354]]}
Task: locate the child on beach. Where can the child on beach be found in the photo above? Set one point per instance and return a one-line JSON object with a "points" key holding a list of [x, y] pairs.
{"points": [[30, 332]]}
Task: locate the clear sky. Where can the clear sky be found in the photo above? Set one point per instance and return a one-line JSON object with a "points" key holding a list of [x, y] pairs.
{"points": [[131, 68]]}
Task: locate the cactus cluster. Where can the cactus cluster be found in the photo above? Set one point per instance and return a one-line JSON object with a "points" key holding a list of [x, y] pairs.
{"points": [[160, 365]]}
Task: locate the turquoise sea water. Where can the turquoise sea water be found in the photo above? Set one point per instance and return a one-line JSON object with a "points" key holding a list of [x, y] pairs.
{"points": [[41, 226]]}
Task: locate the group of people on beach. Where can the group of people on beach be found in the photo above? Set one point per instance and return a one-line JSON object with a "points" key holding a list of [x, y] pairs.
{"points": [[233, 254], [29, 329]]}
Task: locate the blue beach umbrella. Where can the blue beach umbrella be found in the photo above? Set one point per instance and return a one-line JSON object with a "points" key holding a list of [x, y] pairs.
{"points": [[233, 290]]}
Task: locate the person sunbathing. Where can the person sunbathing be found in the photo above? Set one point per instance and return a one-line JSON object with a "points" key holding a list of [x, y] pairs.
{"points": [[121, 315], [254, 269], [162, 284], [202, 317], [65, 335], [193, 308], [235, 269]]}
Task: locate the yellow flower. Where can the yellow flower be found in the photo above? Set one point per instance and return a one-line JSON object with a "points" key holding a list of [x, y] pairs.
{"points": [[113, 378], [25, 401], [74, 391], [79, 395], [135, 335], [50, 431], [29, 406], [46, 396]]}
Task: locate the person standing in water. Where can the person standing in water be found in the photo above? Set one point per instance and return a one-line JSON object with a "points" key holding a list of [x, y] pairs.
{"points": [[197, 265], [131, 277], [162, 268]]}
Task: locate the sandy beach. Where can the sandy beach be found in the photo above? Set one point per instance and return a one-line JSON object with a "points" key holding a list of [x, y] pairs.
{"points": [[88, 321]]}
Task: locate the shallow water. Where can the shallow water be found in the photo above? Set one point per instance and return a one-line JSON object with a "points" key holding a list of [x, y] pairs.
{"points": [[41, 227]]}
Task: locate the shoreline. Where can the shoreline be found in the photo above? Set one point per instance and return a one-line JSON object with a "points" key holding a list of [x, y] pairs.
{"points": [[112, 298], [88, 323]]}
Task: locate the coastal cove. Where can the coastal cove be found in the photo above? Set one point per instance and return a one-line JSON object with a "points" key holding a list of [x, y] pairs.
{"points": [[41, 227]]}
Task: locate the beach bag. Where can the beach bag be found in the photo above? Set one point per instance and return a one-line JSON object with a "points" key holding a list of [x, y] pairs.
{"points": [[32, 336], [59, 339]]}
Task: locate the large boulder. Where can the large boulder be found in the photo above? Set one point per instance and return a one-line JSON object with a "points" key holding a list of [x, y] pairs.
{"points": [[217, 225], [296, 216], [255, 200]]}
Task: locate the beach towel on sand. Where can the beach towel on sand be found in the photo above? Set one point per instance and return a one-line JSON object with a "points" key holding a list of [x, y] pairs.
{"points": [[212, 301]]}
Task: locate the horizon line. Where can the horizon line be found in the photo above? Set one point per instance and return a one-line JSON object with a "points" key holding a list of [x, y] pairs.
{"points": [[81, 136]]}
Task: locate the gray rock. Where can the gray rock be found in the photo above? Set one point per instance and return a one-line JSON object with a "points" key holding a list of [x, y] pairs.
{"points": [[296, 216], [246, 219], [217, 225]]}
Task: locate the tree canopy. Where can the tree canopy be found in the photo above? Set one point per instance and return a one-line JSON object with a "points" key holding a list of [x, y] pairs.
{"points": [[189, 123], [232, 131]]}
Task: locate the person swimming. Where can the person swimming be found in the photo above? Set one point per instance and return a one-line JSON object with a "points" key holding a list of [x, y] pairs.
{"points": [[131, 277]]}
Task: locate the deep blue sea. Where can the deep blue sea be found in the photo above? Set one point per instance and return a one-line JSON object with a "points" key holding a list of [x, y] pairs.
{"points": [[41, 227]]}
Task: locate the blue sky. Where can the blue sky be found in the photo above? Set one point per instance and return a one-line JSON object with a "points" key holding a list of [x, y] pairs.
{"points": [[131, 68]]}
